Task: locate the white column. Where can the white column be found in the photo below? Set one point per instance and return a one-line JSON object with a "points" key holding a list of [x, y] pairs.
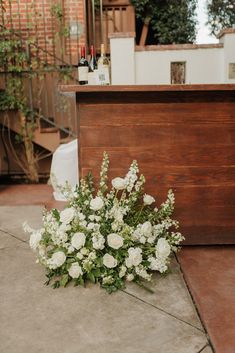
{"points": [[122, 53], [227, 37]]}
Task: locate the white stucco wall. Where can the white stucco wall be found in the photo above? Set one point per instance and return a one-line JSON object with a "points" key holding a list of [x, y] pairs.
{"points": [[202, 65], [229, 54], [205, 64], [122, 55]]}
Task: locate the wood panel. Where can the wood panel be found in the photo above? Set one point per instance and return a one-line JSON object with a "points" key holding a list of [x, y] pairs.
{"points": [[178, 113], [161, 134], [177, 176], [207, 155], [183, 139]]}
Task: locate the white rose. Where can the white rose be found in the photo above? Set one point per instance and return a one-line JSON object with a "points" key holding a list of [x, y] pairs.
{"points": [[135, 257], [115, 241], [96, 204], [90, 226], [75, 270], [35, 238], [119, 183], [67, 215], [57, 259], [148, 199], [163, 248], [109, 261], [78, 240], [146, 228], [157, 265]]}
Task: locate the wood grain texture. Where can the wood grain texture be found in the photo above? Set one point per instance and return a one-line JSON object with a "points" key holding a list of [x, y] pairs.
{"points": [[183, 138]]}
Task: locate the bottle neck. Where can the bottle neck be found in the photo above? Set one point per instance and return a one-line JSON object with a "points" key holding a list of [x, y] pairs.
{"points": [[92, 51], [83, 52], [102, 51]]}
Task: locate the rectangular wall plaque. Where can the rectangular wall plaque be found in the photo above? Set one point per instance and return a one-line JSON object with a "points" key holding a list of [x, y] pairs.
{"points": [[231, 72]]}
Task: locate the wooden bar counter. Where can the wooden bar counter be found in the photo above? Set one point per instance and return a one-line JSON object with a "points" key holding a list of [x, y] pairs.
{"points": [[183, 137]]}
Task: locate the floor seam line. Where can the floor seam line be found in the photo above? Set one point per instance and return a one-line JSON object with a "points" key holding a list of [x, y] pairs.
{"points": [[12, 235], [165, 312], [195, 305], [202, 349]]}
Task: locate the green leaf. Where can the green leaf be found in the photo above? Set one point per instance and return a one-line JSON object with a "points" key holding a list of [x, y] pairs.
{"points": [[97, 272], [64, 280], [56, 284], [81, 281], [91, 277]]}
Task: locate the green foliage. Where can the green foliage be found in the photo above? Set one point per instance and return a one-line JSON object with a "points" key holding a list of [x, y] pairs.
{"points": [[171, 21], [57, 11], [221, 14]]}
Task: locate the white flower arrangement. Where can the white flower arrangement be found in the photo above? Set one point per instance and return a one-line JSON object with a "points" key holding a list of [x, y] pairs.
{"points": [[107, 237]]}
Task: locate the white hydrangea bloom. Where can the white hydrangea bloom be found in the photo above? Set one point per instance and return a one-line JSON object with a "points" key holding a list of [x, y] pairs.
{"points": [[98, 241], [141, 271], [108, 280], [122, 271], [35, 238], [131, 176], [84, 251], [157, 264], [90, 226], [92, 256], [144, 233], [80, 256]]}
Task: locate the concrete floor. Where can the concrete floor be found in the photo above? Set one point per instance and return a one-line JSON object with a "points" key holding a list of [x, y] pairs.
{"points": [[38, 319]]}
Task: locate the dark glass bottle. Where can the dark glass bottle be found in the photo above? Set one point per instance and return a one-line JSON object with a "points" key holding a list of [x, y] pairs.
{"points": [[92, 62], [83, 68]]}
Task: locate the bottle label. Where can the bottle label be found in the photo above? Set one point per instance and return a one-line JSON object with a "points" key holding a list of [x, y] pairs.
{"points": [[103, 75], [93, 78], [83, 73]]}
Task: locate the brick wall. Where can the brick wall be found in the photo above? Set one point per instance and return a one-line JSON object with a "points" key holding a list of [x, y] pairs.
{"points": [[37, 20]]}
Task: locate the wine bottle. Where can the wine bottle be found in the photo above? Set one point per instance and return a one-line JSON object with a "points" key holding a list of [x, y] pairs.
{"points": [[92, 62], [83, 68], [92, 74], [103, 68]]}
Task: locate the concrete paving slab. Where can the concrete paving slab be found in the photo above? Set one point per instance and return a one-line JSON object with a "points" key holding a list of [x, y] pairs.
{"points": [[39, 319], [170, 294], [12, 217], [7, 241]]}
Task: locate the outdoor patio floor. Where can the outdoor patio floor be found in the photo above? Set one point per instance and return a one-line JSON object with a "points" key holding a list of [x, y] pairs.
{"points": [[39, 319]]}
